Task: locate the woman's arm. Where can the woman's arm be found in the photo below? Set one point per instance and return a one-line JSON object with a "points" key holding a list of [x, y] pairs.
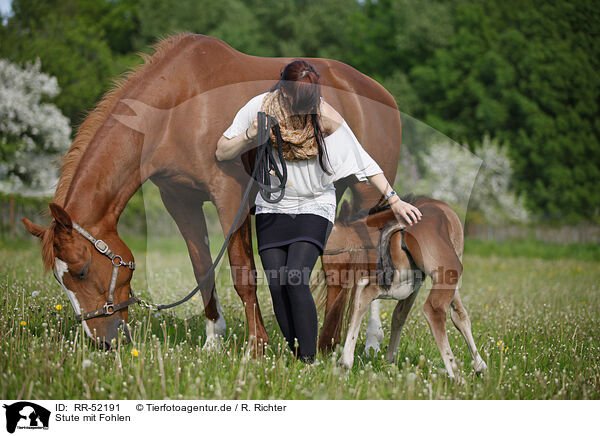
{"points": [[331, 121], [400, 208], [229, 148]]}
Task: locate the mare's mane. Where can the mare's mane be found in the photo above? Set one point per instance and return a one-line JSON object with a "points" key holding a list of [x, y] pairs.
{"points": [[94, 120]]}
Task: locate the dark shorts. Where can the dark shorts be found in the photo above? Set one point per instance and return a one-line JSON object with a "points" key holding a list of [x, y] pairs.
{"points": [[278, 229]]}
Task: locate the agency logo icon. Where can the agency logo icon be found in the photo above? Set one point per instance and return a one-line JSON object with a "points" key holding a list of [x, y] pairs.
{"points": [[26, 415]]}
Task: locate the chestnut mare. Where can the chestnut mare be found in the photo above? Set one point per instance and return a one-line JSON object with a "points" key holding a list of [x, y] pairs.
{"points": [[162, 123], [404, 255]]}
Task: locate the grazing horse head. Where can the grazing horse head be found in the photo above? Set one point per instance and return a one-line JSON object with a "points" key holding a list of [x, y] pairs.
{"points": [[85, 273]]}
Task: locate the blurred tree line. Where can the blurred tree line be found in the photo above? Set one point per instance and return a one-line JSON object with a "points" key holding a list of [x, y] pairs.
{"points": [[521, 71]]}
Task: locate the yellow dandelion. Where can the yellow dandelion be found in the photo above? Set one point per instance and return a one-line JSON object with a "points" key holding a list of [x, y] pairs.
{"points": [[135, 352], [58, 307], [579, 268], [500, 343], [490, 288], [383, 315], [505, 349], [23, 323]]}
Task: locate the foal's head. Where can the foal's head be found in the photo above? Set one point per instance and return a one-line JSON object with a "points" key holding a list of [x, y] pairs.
{"points": [[84, 272]]}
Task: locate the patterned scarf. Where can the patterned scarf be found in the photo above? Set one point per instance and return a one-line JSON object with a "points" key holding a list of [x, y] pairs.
{"points": [[297, 131]]}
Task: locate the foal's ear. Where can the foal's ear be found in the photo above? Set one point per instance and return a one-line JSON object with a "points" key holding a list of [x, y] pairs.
{"points": [[33, 228], [344, 212], [61, 216]]}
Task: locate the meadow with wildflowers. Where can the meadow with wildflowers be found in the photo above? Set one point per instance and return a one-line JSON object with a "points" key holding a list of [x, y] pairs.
{"points": [[536, 321]]}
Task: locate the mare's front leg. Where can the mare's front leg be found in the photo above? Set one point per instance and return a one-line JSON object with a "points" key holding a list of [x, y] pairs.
{"points": [[185, 206]]}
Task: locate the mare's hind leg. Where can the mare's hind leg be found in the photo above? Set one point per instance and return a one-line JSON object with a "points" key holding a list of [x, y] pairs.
{"points": [[241, 258], [185, 206], [461, 320], [334, 312], [399, 318], [365, 294]]}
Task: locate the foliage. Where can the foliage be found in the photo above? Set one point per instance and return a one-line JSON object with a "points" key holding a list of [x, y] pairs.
{"points": [[524, 72], [72, 44], [32, 132], [455, 175]]}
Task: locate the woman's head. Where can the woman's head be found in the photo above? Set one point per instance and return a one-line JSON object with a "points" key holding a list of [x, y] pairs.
{"points": [[300, 83]]}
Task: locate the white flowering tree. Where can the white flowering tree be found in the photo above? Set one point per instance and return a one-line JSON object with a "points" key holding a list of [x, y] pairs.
{"points": [[449, 175], [33, 133]]}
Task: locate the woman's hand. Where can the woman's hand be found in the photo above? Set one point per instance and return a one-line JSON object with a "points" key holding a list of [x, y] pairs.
{"points": [[405, 210], [229, 148], [253, 129]]}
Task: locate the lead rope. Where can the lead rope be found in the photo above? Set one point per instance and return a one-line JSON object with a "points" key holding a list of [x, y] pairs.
{"points": [[264, 166]]}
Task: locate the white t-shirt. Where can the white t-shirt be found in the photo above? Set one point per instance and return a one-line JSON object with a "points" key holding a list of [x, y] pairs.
{"points": [[309, 189]]}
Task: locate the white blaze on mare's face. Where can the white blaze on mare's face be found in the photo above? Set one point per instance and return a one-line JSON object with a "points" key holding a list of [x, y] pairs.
{"points": [[60, 268]]}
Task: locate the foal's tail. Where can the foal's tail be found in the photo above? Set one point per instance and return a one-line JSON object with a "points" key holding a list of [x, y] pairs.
{"points": [[385, 266]]}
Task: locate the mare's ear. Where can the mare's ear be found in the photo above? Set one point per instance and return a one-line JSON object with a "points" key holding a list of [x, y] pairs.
{"points": [[61, 216], [33, 228]]}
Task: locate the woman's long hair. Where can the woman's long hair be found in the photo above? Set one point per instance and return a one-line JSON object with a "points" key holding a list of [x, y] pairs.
{"points": [[300, 81]]}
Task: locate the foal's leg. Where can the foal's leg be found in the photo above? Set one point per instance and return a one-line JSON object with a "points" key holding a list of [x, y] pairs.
{"points": [[435, 309], [434, 255], [365, 294], [399, 318], [461, 320], [185, 206], [374, 330]]}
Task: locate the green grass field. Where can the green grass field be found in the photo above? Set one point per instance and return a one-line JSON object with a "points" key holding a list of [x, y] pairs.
{"points": [[536, 321]]}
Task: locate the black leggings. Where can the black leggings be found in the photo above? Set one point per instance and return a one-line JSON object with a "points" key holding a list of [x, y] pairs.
{"points": [[287, 269]]}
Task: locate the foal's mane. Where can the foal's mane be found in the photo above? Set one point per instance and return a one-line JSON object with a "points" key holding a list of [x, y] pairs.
{"points": [[94, 120]]}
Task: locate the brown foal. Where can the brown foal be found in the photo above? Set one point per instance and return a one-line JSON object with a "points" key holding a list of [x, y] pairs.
{"points": [[404, 255]]}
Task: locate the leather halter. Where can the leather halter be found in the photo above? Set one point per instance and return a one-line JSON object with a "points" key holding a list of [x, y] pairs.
{"points": [[117, 261]]}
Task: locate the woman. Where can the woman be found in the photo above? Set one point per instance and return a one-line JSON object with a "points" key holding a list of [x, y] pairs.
{"points": [[319, 148]]}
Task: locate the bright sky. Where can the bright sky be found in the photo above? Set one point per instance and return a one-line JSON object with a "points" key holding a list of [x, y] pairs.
{"points": [[5, 6]]}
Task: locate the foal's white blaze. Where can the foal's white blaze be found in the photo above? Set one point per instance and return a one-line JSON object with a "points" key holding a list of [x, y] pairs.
{"points": [[215, 329], [60, 268]]}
